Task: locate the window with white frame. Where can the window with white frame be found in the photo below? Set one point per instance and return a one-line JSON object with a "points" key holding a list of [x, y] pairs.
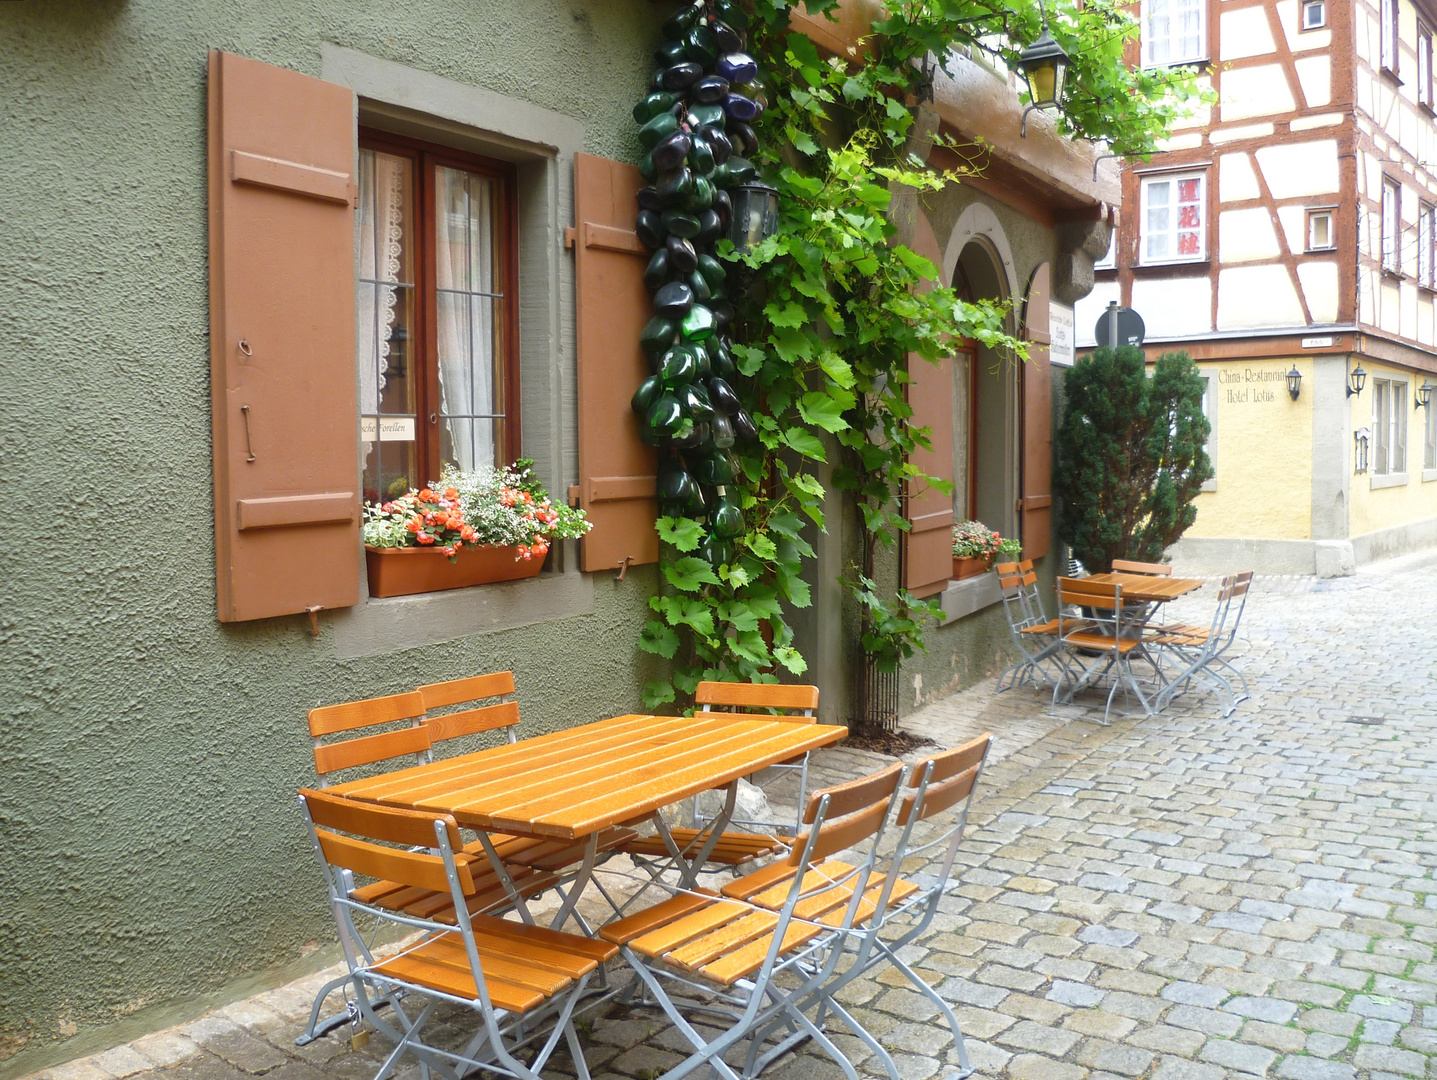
{"points": [[1424, 246], [1174, 221], [1389, 426], [1424, 66], [1391, 226], [1389, 37], [1429, 435], [1174, 31], [1314, 14], [1320, 236]]}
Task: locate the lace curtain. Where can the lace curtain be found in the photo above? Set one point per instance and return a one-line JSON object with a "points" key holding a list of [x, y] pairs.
{"points": [[381, 245], [464, 259]]}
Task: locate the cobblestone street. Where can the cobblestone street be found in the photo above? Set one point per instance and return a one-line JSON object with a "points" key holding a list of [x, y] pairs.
{"points": [[1182, 897]]}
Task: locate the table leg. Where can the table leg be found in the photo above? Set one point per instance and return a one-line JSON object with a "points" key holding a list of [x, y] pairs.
{"points": [[687, 865], [502, 873], [579, 883]]}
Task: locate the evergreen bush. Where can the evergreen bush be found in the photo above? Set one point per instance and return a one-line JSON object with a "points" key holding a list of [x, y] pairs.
{"points": [[1131, 455]]}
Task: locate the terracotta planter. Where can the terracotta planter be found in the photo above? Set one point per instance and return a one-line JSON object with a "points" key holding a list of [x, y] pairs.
{"points": [[965, 567], [404, 571]]}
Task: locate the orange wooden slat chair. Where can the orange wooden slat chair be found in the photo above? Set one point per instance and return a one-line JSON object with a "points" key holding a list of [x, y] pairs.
{"points": [[1033, 634], [1129, 566], [472, 718], [405, 731], [731, 945], [504, 971], [735, 848], [1114, 634]]}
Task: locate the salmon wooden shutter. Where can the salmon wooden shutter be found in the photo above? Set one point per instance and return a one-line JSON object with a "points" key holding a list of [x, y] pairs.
{"points": [[928, 545], [617, 472], [282, 368], [1036, 503]]}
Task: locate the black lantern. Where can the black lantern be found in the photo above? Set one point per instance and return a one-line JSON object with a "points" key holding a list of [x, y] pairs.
{"points": [[1045, 65], [1424, 394], [1294, 382], [754, 217], [1356, 380]]}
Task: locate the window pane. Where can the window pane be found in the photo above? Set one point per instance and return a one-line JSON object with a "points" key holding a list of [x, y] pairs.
{"points": [[1399, 427], [469, 252], [385, 321]]}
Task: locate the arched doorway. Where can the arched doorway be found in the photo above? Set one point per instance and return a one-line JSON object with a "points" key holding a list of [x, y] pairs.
{"points": [[987, 404]]}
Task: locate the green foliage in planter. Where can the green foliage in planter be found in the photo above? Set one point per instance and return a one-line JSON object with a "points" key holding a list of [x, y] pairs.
{"points": [[836, 307], [1130, 455]]}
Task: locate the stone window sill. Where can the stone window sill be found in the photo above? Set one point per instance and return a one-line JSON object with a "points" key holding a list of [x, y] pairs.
{"points": [[1429, 475], [1388, 480], [963, 598]]}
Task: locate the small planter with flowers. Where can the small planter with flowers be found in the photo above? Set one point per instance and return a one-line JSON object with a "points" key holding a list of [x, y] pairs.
{"points": [[471, 528], [975, 547]]}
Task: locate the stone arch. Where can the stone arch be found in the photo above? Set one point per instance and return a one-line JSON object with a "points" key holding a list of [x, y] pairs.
{"points": [[978, 224]]}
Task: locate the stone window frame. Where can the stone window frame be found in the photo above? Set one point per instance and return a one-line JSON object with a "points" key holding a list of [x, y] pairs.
{"points": [[541, 144]]}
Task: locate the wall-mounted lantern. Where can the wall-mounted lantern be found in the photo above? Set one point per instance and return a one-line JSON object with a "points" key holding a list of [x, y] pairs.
{"points": [[1294, 382], [1423, 397], [1360, 437], [755, 215], [1045, 65], [1356, 380]]}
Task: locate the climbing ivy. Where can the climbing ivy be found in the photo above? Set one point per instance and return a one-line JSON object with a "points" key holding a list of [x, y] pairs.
{"points": [[830, 309]]}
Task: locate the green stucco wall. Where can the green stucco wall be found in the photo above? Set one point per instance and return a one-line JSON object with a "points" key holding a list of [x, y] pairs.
{"points": [[150, 854]]}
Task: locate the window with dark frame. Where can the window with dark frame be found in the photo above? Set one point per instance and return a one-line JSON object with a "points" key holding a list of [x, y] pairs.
{"points": [[1320, 235], [1314, 14], [437, 313], [1424, 66], [1425, 221], [1391, 226], [1388, 34]]}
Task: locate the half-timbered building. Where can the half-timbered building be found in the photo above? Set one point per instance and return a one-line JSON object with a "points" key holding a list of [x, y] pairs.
{"points": [[1288, 228]]}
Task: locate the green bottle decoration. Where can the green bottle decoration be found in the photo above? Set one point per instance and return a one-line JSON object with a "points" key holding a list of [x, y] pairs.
{"points": [[698, 324], [725, 517]]}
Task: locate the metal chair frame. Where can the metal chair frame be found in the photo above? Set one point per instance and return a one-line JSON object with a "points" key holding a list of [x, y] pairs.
{"points": [[948, 778], [1114, 632], [501, 1032], [1201, 654], [1023, 607], [759, 1005]]}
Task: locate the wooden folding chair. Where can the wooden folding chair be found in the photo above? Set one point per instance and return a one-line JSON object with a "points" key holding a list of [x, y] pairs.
{"points": [[1200, 649], [756, 952], [733, 848], [515, 976], [1113, 635], [1129, 566], [900, 910], [1034, 635], [395, 726]]}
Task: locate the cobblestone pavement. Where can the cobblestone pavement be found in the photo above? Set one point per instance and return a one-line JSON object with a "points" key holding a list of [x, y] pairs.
{"points": [[1183, 897]]}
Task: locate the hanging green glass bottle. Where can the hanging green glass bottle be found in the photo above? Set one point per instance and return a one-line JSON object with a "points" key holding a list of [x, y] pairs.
{"points": [[726, 517]]}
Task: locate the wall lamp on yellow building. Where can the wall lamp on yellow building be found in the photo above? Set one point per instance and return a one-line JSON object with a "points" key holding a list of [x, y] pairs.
{"points": [[1423, 397], [1294, 382], [1045, 65], [1356, 380]]}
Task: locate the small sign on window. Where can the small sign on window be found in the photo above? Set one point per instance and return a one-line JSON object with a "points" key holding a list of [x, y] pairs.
{"points": [[386, 428]]}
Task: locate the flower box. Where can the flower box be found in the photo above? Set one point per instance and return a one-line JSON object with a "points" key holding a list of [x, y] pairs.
{"points": [[404, 571], [965, 567]]}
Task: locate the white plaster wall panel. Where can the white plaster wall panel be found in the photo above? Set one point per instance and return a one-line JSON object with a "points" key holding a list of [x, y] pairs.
{"points": [[1364, 33], [1424, 318], [1249, 297], [1319, 289], [1366, 305], [1294, 227], [1201, 114], [1255, 91], [1314, 77], [1389, 307], [1407, 309], [1191, 141], [1244, 32], [1298, 41], [1246, 236], [1370, 176], [1174, 307], [1087, 310], [1236, 134], [1300, 169], [1321, 120], [1235, 178]]}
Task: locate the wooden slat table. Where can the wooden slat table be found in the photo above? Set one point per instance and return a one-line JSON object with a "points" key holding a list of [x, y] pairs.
{"points": [[573, 784], [1149, 588]]}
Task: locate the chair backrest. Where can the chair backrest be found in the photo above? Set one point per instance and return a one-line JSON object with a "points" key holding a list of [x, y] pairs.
{"points": [[842, 817], [734, 696], [472, 719], [1085, 592], [1232, 591], [352, 836], [1129, 566], [405, 709]]}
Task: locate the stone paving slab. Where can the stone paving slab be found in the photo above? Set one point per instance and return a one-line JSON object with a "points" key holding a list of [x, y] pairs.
{"points": [[1183, 897]]}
